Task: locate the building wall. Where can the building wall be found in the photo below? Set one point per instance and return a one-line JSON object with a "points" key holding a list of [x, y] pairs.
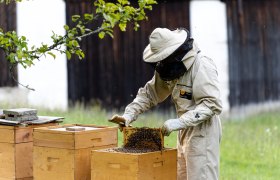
{"points": [[7, 23], [254, 52], [36, 20], [209, 29], [113, 69]]}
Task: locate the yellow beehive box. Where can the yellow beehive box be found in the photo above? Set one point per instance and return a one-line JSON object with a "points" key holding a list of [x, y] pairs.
{"points": [[63, 152], [16, 146], [158, 165]]}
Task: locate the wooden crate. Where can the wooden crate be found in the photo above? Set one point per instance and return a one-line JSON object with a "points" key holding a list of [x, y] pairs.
{"points": [[16, 146], [157, 165], [62, 154]]}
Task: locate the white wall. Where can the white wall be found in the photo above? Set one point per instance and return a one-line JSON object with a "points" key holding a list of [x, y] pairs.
{"points": [[36, 20], [208, 28]]}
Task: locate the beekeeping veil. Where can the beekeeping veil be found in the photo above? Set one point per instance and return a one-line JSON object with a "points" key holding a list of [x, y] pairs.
{"points": [[166, 51]]}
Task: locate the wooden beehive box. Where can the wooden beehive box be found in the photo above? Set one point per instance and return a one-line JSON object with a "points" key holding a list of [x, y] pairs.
{"points": [[65, 154], [158, 165], [16, 146]]}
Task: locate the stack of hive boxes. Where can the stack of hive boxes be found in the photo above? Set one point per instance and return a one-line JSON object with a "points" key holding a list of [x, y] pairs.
{"points": [[16, 143]]}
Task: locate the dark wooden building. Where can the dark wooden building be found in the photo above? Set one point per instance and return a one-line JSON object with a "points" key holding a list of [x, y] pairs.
{"points": [[113, 69], [7, 23], [254, 50]]}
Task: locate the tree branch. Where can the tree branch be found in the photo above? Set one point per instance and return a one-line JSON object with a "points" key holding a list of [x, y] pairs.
{"points": [[12, 66]]}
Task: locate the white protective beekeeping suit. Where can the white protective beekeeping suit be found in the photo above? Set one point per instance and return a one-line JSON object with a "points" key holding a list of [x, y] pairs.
{"points": [[197, 100]]}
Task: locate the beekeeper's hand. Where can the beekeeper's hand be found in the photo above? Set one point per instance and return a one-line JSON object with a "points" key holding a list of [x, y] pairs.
{"points": [[172, 125], [122, 121]]}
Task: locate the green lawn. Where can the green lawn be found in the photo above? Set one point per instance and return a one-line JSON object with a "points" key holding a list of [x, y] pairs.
{"points": [[97, 116], [250, 148]]}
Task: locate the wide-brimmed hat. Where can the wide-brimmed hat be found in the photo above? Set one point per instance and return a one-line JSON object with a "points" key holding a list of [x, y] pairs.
{"points": [[163, 42]]}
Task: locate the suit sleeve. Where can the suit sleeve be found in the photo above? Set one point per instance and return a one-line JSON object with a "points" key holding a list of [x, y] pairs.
{"points": [[206, 94], [154, 92]]}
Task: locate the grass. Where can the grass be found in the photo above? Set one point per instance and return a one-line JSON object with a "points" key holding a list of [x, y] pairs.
{"points": [[95, 115], [250, 148]]}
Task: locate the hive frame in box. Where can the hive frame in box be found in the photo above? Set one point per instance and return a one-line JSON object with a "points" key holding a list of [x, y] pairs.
{"points": [[128, 131]]}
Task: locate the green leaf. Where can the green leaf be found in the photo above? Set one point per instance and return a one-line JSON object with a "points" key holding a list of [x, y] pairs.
{"points": [[68, 54], [80, 54], [88, 17], [123, 2], [53, 55], [75, 43], [110, 34], [75, 18], [136, 26], [101, 35], [82, 28], [28, 63], [122, 26], [19, 54], [66, 27]]}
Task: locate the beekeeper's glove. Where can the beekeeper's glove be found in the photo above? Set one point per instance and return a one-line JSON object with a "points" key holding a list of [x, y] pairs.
{"points": [[122, 121], [172, 125]]}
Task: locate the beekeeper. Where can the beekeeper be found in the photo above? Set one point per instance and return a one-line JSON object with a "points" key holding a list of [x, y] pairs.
{"points": [[191, 79]]}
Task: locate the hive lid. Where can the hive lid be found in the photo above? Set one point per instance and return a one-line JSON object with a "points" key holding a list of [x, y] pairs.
{"points": [[20, 114], [40, 120], [74, 128], [20, 111]]}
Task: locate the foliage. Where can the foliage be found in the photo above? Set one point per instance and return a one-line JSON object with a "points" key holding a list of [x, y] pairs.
{"points": [[9, 1], [17, 50]]}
